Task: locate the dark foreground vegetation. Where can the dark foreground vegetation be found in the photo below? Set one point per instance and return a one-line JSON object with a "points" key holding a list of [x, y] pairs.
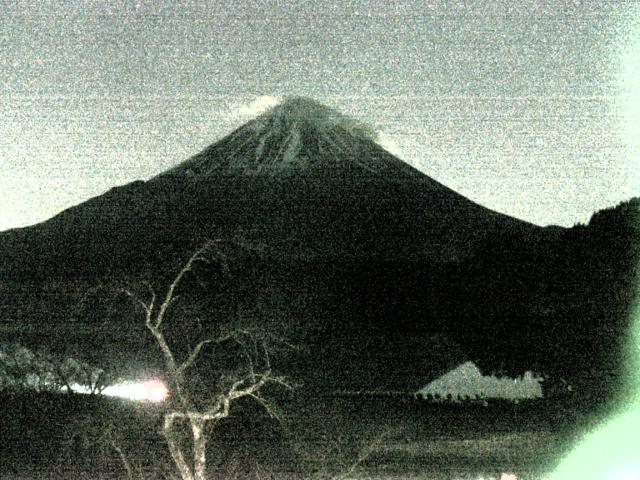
{"points": [[49, 435]]}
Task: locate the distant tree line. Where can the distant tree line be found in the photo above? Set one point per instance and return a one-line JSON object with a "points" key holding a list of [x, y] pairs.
{"points": [[24, 369]]}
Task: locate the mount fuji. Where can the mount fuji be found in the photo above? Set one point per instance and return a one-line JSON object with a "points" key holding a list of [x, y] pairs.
{"points": [[302, 179], [387, 276]]}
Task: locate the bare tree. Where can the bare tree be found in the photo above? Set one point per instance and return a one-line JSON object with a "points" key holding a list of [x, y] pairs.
{"points": [[86, 377], [187, 408]]}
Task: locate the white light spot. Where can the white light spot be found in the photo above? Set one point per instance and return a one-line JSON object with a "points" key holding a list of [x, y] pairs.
{"points": [[156, 391], [151, 391], [625, 472], [508, 476]]}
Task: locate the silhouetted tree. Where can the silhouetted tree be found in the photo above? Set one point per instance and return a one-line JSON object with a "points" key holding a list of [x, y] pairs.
{"points": [[191, 403], [42, 370]]}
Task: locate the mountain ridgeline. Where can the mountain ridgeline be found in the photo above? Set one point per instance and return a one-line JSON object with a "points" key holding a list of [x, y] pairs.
{"points": [[384, 275], [302, 180]]}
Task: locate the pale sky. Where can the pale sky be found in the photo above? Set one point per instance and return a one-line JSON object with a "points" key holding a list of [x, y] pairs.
{"points": [[531, 108]]}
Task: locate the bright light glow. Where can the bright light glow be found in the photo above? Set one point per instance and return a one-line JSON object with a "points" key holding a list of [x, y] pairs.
{"points": [[156, 391], [151, 391], [613, 451], [503, 476], [625, 472]]}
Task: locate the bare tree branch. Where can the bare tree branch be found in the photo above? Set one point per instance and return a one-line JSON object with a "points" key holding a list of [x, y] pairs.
{"points": [[199, 256], [193, 355], [258, 368], [137, 299], [268, 408], [175, 450], [164, 347], [123, 458]]}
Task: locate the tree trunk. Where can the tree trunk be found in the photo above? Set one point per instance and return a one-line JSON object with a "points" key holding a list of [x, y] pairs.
{"points": [[199, 448], [175, 450]]}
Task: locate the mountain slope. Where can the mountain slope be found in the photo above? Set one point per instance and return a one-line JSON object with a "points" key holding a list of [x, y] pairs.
{"points": [[301, 179]]}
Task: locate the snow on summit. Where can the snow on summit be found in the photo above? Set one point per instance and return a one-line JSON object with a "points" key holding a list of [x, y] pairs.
{"points": [[295, 135]]}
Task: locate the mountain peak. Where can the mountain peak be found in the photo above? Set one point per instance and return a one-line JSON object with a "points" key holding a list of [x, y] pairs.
{"points": [[302, 108], [297, 135], [298, 112]]}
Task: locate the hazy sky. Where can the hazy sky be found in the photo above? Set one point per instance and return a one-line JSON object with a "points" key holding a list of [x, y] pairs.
{"points": [[531, 108]]}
